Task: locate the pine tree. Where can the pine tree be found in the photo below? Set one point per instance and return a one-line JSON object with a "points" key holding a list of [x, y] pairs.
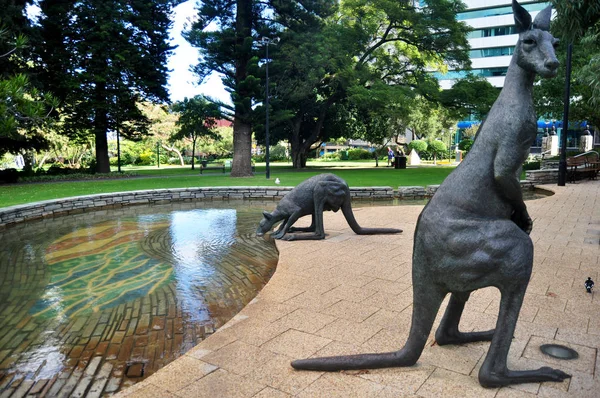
{"points": [[234, 50], [102, 58]]}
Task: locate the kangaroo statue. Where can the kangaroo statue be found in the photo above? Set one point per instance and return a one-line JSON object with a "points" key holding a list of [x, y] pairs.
{"points": [[314, 196], [474, 232]]}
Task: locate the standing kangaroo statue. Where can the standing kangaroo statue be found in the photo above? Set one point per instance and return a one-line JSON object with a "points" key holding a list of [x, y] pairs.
{"points": [[474, 232], [314, 196]]}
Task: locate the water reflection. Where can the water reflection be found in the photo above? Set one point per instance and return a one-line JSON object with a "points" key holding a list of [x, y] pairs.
{"points": [[116, 288], [200, 239]]}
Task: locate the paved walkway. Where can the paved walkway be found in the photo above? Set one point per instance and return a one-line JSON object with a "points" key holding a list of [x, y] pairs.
{"points": [[351, 294]]}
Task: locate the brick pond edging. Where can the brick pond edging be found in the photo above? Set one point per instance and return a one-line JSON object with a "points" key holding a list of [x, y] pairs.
{"points": [[80, 204]]}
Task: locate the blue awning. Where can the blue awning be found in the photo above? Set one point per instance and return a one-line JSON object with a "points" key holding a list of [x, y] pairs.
{"points": [[559, 123], [465, 124]]}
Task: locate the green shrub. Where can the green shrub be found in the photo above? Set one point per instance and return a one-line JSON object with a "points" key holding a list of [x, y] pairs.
{"points": [[146, 158], [277, 153], [437, 147], [465, 145], [533, 165], [359, 154], [418, 145]]}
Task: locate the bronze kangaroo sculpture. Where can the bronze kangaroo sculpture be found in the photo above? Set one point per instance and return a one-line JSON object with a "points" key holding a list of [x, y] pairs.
{"points": [[313, 196], [474, 232]]}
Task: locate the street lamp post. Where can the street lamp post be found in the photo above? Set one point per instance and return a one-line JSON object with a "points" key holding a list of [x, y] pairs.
{"points": [[267, 40], [562, 164]]}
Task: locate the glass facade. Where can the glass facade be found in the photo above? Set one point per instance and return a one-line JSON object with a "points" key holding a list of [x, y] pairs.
{"points": [[484, 72], [491, 52], [506, 10], [491, 32]]}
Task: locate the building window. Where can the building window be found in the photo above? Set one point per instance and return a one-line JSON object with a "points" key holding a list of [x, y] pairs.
{"points": [[484, 72], [492, 32], [491, 52], [490, 12]]}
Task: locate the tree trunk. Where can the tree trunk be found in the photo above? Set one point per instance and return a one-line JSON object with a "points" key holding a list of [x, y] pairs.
{"points": [[44, 158], [100, 129], [242, 149], [242, 129], [173, 149]]}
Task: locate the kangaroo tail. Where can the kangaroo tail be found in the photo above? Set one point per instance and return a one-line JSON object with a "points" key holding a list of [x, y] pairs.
{"points": [[347, 210], [352, 362], [426, 303]]}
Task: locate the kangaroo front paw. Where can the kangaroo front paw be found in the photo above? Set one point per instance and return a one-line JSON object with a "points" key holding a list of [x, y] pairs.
{"points": [[277, 235]]}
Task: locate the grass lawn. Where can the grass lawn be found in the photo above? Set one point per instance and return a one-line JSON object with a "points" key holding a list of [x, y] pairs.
{"points": [[357, 174]]}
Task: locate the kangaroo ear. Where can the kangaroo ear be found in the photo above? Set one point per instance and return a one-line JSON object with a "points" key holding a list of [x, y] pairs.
{"points": [[542, 20], [522, 17], [267, 215]]}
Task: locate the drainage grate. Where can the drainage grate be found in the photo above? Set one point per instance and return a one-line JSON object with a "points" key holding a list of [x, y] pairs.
{"points": [[559, 351]]}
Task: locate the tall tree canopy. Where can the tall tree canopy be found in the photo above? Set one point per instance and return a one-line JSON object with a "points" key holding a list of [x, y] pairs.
{"points": [[577, 22], [23, 108], [368, 55], [228, 35], [101, 58], [473, 95]]}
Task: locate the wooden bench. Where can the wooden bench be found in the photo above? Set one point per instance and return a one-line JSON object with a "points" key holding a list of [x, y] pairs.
{"points": [[221, 166], [212, 166], [580, 167]]}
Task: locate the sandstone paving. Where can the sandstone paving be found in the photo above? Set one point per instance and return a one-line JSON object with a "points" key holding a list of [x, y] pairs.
{"points": [[352, 294]]}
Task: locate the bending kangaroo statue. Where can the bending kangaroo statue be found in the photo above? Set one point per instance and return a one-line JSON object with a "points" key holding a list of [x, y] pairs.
{"points": [[474, 232], [314, 196]]}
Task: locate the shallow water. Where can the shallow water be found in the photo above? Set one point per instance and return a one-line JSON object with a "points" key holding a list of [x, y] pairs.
{"points": [[117, 294]]}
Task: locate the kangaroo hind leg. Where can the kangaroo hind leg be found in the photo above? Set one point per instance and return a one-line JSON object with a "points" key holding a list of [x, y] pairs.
{"points": [[426, 303], [448, 333], [310, 228], [494, 372]]}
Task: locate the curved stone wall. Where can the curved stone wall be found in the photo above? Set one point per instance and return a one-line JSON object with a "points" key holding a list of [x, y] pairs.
{"points": [[79, 204]]}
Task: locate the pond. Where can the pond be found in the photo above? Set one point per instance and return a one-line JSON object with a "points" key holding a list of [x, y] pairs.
{"points": [[97, 301]]}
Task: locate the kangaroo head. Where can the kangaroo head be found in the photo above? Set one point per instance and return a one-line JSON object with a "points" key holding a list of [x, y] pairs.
{"points": [[266, 223], [534, 51]]}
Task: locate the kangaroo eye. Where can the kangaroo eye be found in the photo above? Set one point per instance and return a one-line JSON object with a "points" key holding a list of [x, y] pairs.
{"points": [[529, 42]]}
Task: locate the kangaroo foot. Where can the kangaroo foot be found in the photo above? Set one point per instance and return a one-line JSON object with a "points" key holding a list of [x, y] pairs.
{"points": [[456, 337], [490, 379], [278, 235]]}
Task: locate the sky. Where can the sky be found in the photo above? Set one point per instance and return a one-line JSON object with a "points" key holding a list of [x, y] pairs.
{"points": [[183, 82]]}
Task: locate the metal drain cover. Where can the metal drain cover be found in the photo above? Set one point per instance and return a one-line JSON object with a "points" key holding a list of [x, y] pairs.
{"points": [[559, 351]]}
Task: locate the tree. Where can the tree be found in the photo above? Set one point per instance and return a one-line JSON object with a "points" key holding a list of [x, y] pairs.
{"points": [[418, 145], [23, 109], [231, 51], [578, 22], [163, 128], [197, 119], [436, 147], [548, 95], [101, 58], [370, 53], [470, 96]]}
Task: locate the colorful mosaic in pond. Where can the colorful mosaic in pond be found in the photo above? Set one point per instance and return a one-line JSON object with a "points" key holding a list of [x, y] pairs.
{"points": [[92, 303], [98, 267]]}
